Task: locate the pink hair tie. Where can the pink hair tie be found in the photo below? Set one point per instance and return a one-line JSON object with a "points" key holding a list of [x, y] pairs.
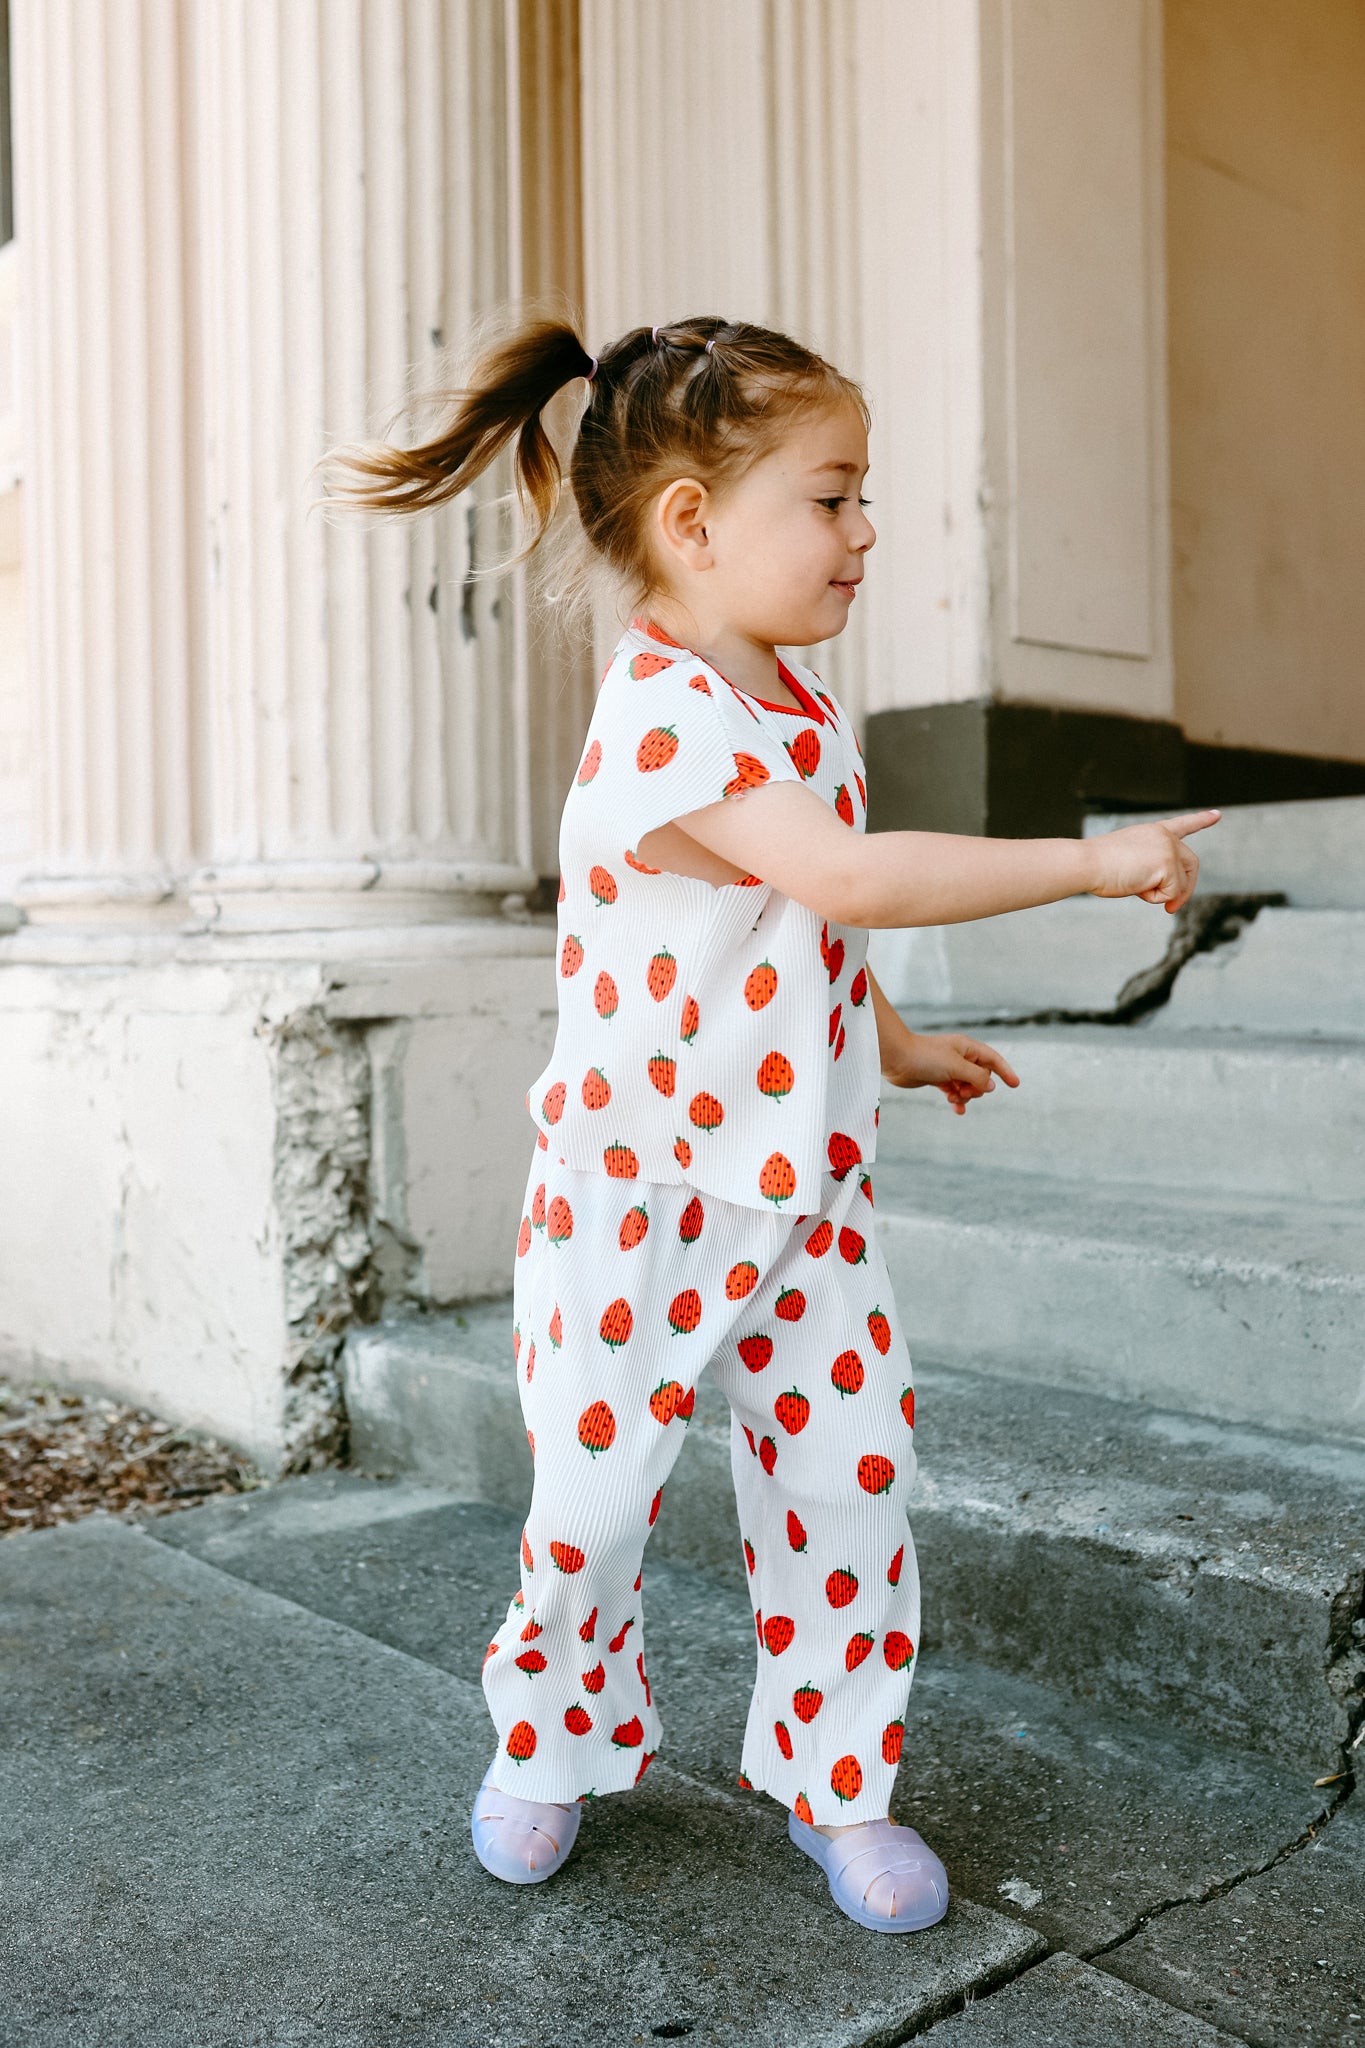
{"points": [[654, 333], [710, 344], [589, 375]]}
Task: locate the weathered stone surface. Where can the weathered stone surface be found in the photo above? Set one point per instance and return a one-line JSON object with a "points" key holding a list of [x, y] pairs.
{"points": [[1063, 2003], [1280, 1960], [230, 1821], [1299, 971], [1086, 1819]]}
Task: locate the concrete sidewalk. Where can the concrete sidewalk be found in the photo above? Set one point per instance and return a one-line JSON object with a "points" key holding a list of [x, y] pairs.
{"points": [[241, 1741]]}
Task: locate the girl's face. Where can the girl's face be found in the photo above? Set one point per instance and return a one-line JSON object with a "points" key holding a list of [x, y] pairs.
{"points": [[777, 557]]}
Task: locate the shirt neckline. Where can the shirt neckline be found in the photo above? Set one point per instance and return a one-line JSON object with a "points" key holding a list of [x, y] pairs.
{"points": [[804, 707]]}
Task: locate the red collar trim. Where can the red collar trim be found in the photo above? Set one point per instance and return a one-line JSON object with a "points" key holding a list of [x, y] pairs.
{"points": [[804, 707]]}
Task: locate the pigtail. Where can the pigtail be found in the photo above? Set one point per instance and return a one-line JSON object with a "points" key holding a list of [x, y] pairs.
{"points": [[509, 385]]}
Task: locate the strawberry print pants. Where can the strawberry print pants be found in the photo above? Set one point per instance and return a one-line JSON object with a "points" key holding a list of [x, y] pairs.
{"points": [[625, 1293]]}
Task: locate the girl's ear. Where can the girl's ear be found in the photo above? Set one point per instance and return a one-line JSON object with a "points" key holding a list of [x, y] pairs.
{"points": [[681, 515]]}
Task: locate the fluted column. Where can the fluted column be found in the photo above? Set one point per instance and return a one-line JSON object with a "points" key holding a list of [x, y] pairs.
{"points": [[106, 407]]}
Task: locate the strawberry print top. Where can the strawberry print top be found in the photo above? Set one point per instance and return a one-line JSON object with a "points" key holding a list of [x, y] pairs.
{"points": [[718, 1036]]}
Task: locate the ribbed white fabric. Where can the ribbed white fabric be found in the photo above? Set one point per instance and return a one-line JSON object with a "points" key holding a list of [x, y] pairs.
{"points": [[720, 1037]]}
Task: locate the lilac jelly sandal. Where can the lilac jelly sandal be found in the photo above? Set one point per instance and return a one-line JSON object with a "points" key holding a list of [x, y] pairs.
{"points": [[878, 1850], [523, 1841]]}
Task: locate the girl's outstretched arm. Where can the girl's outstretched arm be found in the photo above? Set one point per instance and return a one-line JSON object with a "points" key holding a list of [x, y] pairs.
{"points": [[790, 838]]}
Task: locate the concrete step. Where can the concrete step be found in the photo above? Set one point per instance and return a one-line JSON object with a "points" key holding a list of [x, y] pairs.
{"points": [[1247, 1309], [228, 1819], [1296, 973], [1213, 1112], [1314, 851], [1204, 1574], [1078, 1822]]}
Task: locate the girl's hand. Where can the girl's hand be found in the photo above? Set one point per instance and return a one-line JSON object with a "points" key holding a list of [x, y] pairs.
{"points": [[962, 1067], [1151, 861]]}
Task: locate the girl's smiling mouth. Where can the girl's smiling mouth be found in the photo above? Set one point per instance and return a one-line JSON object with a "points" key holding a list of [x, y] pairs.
{"points": [[849, 585]]}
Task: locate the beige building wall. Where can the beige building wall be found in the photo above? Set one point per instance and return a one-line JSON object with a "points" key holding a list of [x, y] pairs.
{"points": [[1265, 168], [16, 767]]}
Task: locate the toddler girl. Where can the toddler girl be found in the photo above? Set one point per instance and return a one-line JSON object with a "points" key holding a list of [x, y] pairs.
{"points": [[699, 1195]]}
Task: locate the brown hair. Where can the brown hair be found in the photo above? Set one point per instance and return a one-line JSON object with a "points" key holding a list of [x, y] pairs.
{"points": [[661, 404]]}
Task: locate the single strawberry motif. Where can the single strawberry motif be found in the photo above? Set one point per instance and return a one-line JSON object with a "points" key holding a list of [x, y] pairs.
{"points": [[835, 963], [782, 1736], [524, 1237], [767, 1455], [778, 1631], [531, 1631], [875, 1473], [879, 1330], [777, 1178], [844, 1154], [705, 1112], [617, 1323], [663, 1402], [491, 1651], [526, 1556], [790, 1305], [847, 1373], [595, 1089], [796, 1530], [634, 1224], [606, 999], [741, 1280], [567, 1556], [661, 974], [699, 683], [802, 1810], [834, 1016], [570, 957], [841, 1587], [590, 763], [908, 1406], [588, 1629], [563, 892], [684, 1311], [530, 1361], [749, 1558], [852, 1247], [640, 1667], [578, 1720], [556, 1328], [749, 1437], [643, 666], [846, 1779], [656, 749], [865, 1189], [687, 1404], [617, 1642], [820, 1239], [691, 1221], [532, 1662], [775, 1076], [792, 1410], [516, 1343], [761, 986], [859, 1647], [840, 1043], [807, 1701], [663, 1073], [597, 1428], [603, 884], [521, 1742], [893, 1570], [629, 1735], [542, 1142], [552, 1108], [654, 1507], [639, 866], [682, 1152], [897, 1649], [691, 1018], [594, 1680], [756, 1351], [857, 991], [620, 1162], [893, 1737], [805, 751], [862, 790], [843, 803], [749, 773]]}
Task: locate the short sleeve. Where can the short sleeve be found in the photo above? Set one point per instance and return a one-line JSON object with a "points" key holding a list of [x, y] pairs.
{"points": [[670, 740]]}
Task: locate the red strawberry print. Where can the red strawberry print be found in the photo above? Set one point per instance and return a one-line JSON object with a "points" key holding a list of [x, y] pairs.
{"points": [[530, 1360], [705, 1112], [654, 1507], [634, 1224], [562, 890], [692, 1219], [521, 1742], [836, 960], [749, 1435], [491, 1651], [879, 1330], [588, 1629], [846, 1779], [749, 774], [859, 1647], [760, 986], [805, 751], [687, 1404], [841, 1587], [684, 1311], [656, 749], [755, 1351], [556, 1328], [595, 1089], [875, 1473], [820, 1239], [663, 1402], [524, 1237], [908, 1406], [844, 1154], [782, 1736], [741, 1280], [796, 1530], [663, 1073], [776, 1076], [682, 1152], [590, 763], [620, 1162], [531, 1631], [568, 1557], [617, 1642], [516, 1343], [852, 1247], [792, 1410], [777, 1178], [577, 1720], [661, 974], [617, 1323], [834, 1017], [897, 1649], [542, 1142], [807, 1701], [790, 1305], [594, 1680], [597, 1428], [847, 1373], [606, 999], [865, 1189], [745, 1784], [862, 790], [893, 1737], [552, 1108], [570, 957], [699, 683], [532, 1662], [630, 1734], [643, 666], [843, 803], [802, 1809], [749, 1558], [778, 1631], [691, 1018], [631, 862], [893, 1570], [640, 1667], [767, 1455], [839, 1043], [857, 991], [602, 884]]}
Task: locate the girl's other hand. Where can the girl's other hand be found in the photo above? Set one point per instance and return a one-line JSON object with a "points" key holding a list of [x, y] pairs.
{"points": [[962, 1067], [1151, 861]]}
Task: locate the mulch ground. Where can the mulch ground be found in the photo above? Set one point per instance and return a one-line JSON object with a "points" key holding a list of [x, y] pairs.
{"points": [[64, 1455]]}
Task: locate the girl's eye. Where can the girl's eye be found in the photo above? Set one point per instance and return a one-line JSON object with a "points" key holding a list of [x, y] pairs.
{"points": [[835, 503]]}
